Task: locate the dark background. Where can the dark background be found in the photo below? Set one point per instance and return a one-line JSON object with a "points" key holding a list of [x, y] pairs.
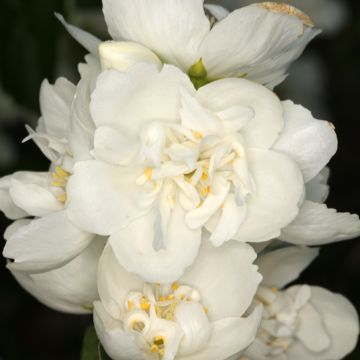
{"points": [[31, 40]]}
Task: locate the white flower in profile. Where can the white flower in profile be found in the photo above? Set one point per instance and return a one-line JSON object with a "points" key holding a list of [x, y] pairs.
{"points": [[43, 238], [170, 159], [300, 322], [257, 42], [200, 316]]}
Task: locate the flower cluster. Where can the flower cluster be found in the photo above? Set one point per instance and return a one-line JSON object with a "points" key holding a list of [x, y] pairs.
{"points": [[183, 195]]}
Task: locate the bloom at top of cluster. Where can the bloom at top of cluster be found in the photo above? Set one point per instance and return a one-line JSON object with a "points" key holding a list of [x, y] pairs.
{"points": [[301, 322], [257, 42], [48, 252], [200, 316], [227, 156]]}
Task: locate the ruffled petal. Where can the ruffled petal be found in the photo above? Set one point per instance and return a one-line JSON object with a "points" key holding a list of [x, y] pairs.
{"points": [[275, 202], [55, 104], [341, 322], [267, 122], [229, 292], [316, 224], [257, 42], [82, 127], [34, 199], [101, 196], [117, 344], [163, 254], [46, 243], [88, 41], [71, 288], [126, 101], [229, 336], [114, 147], [310, 142], [173, 29], [282, 266]]}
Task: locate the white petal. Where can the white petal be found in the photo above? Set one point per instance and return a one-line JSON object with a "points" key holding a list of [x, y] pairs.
{"points": [[121, 55], [81, 129], [310, 142], [195, 325], [341, 323], [316, 224], [229, 222], [115, 283], [71, 288], [229, 336], [213, 202], [101, 196], [264, 128], [217, 11], [139, 254], [317, 189], [126, 101], [7, 204], [229, 292], [88, 41], [55, 103], [195, 117], [113, 147], [255, 43], [282, 266], [275, 203], [173, 29], [46, 243], [310, 330], [34, 199], [14, 227], [117, 344]]}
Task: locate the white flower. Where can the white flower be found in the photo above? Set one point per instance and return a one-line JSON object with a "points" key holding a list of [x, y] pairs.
{"points": [[258, 42], [170, 160], [201, 316], [301, 322], [43, 238]]}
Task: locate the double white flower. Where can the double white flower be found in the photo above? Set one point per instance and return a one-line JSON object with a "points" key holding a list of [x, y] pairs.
{"points": [[300, 322], [200, 316]]}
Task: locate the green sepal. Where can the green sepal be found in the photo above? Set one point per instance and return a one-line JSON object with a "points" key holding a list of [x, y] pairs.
{"points": [[91, 348]]}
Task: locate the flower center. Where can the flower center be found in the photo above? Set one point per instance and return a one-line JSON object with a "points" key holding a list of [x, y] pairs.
{"points": [[152, 314], [195, 164]]}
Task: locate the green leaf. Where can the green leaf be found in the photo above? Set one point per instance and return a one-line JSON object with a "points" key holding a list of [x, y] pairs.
{"points": [[92, 349]]}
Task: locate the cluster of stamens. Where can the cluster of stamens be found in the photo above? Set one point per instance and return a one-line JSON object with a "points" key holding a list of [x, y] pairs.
{"points": [[59, 179], [156, 302]]}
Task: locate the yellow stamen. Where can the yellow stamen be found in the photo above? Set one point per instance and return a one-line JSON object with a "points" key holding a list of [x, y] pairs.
{"points": [[274, 290], [148, 173], [204, 191], [154, 348], [175, 286], [144, 304], [206, 310], [62, 198], [204, 176], [198, 135], [130, 305]]}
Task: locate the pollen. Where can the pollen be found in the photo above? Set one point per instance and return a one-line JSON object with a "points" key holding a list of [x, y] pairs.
{"points": [[204, 176], [62, 198], [148, 173], [144, 304], [175, 286], [289, 10], [198, 135], [60, 177], [130, 305]]}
